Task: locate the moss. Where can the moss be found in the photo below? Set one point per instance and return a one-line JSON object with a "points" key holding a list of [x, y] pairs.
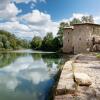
{"points": [[98, 55]]}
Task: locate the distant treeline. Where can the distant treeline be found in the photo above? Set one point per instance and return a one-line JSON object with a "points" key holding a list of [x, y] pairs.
{"points": [[48, 43], [9, 41]]}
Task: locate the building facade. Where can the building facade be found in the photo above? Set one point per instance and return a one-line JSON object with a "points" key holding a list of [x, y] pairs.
{"points": [[79, 37]]}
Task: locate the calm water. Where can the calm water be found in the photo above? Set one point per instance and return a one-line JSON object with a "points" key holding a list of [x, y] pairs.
{"points": [[28, 75]]}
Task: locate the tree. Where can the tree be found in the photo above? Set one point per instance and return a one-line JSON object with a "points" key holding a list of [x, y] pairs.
{"points": [[36, 42], [87, 19], [61, 30], [61, 27], [13, 43], [56, 44], [7, 45], [75, 21], [47, 42], [1, 45], [10, 41]]}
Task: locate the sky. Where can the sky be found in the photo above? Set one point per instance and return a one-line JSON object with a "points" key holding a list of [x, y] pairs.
{"points": [[29, 18]]}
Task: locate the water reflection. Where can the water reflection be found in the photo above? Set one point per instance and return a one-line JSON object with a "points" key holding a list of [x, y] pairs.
{"points": [[25, 76]]}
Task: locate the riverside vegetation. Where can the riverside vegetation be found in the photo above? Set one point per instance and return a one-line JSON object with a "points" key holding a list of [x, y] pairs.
{"points": [[9, 41]]}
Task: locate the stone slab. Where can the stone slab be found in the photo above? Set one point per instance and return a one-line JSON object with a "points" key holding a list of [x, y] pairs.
{"points": [[66, 83]]}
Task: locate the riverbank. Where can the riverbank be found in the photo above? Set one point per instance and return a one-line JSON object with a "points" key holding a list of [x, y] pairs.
{"points": [[69, 89]]}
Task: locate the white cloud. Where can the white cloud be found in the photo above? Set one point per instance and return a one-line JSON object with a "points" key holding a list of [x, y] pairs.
{"points": [[27, 1], [20, 30], [14, 26], [36, 17], [9, 12], [38, 23], [3, 4], [97, 19]]}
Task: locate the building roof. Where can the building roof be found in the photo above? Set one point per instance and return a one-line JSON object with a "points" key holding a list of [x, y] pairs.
{"points": [[87, 24], [72, 27]]}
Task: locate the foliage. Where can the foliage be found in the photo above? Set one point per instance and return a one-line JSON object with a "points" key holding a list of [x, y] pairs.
{"points": [[57, 43], [36, 42], [60, 32], [11, 42], [75, 21], [49, 43], [61, 27], [87, 19]]}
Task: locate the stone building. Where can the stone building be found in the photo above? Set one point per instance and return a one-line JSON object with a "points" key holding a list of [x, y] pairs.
{"points": [[80, 38]]}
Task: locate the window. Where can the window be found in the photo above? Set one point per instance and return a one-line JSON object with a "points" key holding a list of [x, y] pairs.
{"points": [[68, 33], [68, 40], [79, 38]]}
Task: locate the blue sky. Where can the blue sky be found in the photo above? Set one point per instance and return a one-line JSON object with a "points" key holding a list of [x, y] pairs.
{"points": [[26, 18], [59, 9]]}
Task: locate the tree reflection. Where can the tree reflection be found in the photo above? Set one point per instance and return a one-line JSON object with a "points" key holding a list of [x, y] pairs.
{"points": [[36, 56], [50, 58], [8, 58]]}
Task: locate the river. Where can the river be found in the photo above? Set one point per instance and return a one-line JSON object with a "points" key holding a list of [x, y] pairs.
{"points": [[28, 75]]}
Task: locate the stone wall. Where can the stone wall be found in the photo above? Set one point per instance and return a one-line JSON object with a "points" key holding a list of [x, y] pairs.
{"points": [[81, 38], [67, 40], [96, 30], [95, 38]]}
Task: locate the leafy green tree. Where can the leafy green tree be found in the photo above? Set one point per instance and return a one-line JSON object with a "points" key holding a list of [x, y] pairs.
{"points": [[87, 19], [10, 41], [7, 45], [61, 30], [1, 44], [56, 44], [47, 42], [61, 27], [36, 42], [13, 43], [4, 39], [75, 21]]}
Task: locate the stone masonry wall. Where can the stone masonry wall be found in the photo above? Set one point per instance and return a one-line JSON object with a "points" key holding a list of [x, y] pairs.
{"points": [[81, 37], [67, 41]]}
